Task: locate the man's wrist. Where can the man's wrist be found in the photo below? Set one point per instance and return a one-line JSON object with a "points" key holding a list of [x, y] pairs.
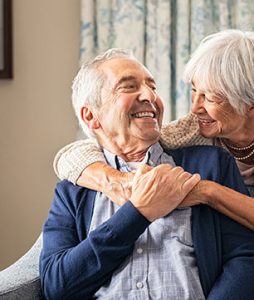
{"points": [[128, 223]]}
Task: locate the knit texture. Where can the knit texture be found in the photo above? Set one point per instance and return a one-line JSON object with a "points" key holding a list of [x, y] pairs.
{"points": [[72, 159], [183, 132]]}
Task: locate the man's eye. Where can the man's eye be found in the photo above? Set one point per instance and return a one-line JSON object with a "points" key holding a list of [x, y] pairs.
{"points": [[129, 87], [193, 90]]}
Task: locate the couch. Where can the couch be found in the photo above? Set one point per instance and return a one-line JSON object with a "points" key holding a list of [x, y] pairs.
{"points": [[21, 281]]}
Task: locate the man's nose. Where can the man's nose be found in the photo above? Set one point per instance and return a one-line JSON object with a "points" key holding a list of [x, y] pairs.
{"points": [[147, 94], [197, 103]]}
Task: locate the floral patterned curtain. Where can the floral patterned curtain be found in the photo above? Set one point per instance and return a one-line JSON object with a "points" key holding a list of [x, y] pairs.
{"points": [[162, 34]]}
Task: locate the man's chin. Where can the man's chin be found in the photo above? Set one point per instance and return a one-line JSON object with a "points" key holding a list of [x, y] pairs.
{"points": [[151, 136], [149, 132]]}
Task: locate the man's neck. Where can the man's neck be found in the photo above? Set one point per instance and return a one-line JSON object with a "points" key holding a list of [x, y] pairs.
{"points": [[130, 154]]}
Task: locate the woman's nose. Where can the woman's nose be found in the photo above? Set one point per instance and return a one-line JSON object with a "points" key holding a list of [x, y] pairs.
{"points": [[197, 103]]}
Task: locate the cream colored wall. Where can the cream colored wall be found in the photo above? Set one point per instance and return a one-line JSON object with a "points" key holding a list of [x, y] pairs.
{"points": [[36, 117]]}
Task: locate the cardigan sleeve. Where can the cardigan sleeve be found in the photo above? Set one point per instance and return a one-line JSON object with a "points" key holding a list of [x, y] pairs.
{"points": [[73, 265], [183, 132], [72, 159], [237, 276]]}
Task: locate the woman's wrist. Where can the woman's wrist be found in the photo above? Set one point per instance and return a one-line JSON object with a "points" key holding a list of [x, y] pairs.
{"points": [[103, 178], [208, 193]]}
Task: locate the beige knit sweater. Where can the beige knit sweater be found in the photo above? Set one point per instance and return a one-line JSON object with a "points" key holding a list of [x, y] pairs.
{"points": [[72, 159]]}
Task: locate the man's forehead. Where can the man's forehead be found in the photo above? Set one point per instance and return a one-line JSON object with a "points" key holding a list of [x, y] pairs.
{"points": [[126, 68]]}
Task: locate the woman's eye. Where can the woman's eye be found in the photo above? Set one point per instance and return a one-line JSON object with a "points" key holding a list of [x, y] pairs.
{"points": [[209, 100], [193, 90]]}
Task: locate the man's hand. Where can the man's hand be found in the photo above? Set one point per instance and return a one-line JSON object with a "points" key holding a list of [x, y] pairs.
{"points": [[158, 191]]}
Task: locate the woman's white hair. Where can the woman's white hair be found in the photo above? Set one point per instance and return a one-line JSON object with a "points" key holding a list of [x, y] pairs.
{"points": [[87, 85], [223, 65]]}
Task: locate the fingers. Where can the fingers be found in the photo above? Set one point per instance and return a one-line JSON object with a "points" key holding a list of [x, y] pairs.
{"points": [[185, 179], [182, 176], [142, 169], [189, 184], [126, 177], [181, 181], [127, 192], [157, 191], [179, 173]]}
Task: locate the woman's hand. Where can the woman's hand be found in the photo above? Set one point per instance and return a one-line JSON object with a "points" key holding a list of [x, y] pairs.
{"points": [[119, 189], [101, 177], [200, 194]]}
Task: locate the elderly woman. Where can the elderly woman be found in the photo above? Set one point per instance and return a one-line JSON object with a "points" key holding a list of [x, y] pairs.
{"points": [[222, 78]]}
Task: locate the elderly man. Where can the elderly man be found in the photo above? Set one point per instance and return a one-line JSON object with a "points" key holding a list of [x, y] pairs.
{"points": [[148, 248]]}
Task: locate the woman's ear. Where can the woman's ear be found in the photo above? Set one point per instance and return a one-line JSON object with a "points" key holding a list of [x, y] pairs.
{"points": [[89, 117], [250, 111]]}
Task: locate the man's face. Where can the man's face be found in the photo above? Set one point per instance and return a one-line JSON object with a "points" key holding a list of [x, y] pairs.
{"points": [[131, 111]]}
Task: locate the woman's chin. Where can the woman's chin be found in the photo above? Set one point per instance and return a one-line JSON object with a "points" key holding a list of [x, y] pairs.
{"points": [[209, 134]]}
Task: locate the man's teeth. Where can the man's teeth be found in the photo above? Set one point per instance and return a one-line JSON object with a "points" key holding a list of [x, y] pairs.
{"points": [[144, 115]]}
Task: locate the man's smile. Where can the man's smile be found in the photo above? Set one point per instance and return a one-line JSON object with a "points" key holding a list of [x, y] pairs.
{"points": [[144, 114]]}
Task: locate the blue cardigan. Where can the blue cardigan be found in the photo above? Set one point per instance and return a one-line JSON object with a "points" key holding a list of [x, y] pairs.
{"points": [[74, 265]]}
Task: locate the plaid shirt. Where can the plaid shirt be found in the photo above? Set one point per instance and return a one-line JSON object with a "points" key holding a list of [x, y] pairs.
{"points": [[163, 264]]}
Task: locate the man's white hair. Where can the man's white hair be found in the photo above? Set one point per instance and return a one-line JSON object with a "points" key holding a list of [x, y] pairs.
{"points": [[87, 85], [223, 65]]}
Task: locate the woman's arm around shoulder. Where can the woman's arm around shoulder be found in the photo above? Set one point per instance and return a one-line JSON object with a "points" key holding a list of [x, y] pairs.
{"points": [[83, 163], [183, 132]]}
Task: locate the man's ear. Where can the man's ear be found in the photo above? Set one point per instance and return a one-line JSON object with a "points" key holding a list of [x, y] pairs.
{"points": [[89, 117]]}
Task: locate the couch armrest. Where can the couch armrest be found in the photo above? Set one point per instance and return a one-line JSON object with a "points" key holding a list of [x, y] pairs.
{"points": [[21, 280]]}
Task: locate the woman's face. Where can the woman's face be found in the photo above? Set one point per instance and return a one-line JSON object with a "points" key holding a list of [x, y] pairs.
{"points": [[216, 117]]}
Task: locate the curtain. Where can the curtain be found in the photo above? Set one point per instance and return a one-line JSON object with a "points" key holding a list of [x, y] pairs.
{"points": [[162, 35]]}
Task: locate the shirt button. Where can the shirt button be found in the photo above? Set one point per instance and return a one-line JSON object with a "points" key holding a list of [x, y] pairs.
{"points": [[139, 285], [139, 250]]}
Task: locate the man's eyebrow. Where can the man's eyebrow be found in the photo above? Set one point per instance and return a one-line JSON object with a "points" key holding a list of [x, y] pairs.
{"points": [[151, 80], [123, 79], [130, 77]]}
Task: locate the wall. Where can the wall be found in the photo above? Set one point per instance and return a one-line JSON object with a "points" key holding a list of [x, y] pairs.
{"points": [[36, 117]]}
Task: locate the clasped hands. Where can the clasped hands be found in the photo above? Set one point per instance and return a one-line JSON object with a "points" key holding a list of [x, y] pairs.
{"points": [[157, 191]]}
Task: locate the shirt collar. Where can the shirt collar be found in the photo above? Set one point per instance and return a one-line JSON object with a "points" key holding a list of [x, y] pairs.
{"points": [[151, 158]]}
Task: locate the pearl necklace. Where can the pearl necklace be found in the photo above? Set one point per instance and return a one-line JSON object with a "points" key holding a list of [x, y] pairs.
{"points": [[240, 148], [226, 147]]}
